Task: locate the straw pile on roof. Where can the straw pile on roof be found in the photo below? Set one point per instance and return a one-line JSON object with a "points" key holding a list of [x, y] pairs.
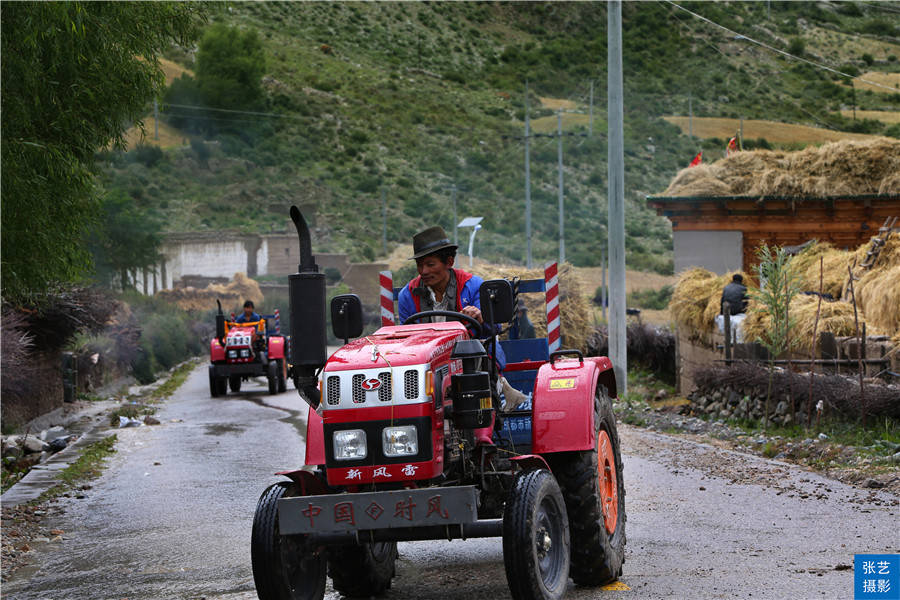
{"points": [[232, 295], [836, 168], [574, 307]]}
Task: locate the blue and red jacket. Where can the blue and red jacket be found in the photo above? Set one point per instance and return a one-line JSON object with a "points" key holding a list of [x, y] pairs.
{"points": [[467, 294]]}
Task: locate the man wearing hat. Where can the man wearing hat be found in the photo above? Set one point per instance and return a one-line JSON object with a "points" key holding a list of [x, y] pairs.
{"points": [[439, 286]]}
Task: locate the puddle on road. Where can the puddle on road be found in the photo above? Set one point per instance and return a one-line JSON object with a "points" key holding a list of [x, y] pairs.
{"points": [[223, 428]]}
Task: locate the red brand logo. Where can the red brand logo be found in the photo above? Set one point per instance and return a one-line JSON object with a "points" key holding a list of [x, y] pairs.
{"points": [[371, 384]]}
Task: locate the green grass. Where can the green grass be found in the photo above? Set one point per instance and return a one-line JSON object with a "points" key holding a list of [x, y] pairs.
{"points": [[87, 466]]}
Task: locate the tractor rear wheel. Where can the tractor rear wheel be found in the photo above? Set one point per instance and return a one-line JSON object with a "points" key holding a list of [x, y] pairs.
{"points": [[282, 384], [272, 376], [362, 571], [594, 490], [283, 567], [213, 382], [536, 538], [234, 382], [222, 385]]}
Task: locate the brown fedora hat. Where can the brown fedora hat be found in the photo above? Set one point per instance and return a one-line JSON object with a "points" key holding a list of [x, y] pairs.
{"points": [[430, 241]]}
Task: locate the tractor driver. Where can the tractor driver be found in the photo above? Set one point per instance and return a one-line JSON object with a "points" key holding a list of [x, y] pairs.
{"points": [[249, 315], [439, 286]]}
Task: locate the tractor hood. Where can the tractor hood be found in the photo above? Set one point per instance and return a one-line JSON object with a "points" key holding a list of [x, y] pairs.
{"points": [[398, 346]]}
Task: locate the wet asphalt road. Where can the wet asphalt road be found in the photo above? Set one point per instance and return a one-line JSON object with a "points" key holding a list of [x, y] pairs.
{"points": [[702, 522]]}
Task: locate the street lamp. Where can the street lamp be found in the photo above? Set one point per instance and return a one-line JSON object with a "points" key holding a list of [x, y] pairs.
{"points": [[474, 223]]}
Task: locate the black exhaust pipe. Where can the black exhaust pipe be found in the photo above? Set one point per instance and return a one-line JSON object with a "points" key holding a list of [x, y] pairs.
{"points": [[306, 290]]}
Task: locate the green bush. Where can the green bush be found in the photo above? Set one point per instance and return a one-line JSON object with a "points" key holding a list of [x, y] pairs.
{"points": [[652, 299]]}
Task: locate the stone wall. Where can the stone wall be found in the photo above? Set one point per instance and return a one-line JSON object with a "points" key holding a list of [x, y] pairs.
{"points": [[362, 279], [748, 403]]}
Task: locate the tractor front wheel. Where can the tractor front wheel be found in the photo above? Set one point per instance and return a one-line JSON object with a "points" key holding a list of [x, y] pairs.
{"points": [[594, 490], [536, 538], [234, 382], [362, 571], [213, 382], [282, 384], [284, 568], [272, 376]]}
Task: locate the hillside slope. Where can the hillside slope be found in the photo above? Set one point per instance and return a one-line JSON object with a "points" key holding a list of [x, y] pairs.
{"points": [[412, 98]]}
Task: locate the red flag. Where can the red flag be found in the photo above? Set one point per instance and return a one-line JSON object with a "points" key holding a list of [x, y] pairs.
{"points": [[697, 160], [732, 146]]}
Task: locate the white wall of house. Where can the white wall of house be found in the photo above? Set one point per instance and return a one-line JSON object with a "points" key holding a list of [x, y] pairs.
{"points": [[718, 251]]}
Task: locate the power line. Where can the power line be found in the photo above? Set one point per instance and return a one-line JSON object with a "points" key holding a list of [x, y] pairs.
{"points": [[774, 49], [241, 112]]}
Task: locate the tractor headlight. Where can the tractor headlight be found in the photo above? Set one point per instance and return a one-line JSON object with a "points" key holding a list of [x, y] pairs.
{"points": [[349, 444], [245, 353], [400, 441], [232, 354]]}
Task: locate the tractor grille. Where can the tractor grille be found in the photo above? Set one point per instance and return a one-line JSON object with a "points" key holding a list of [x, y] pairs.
{"points": [[359, 394], [411, 384], [384, 392], [333, 389]]}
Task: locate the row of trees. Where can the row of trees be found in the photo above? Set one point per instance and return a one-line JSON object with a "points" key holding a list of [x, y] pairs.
{"points": [[76, 76]]}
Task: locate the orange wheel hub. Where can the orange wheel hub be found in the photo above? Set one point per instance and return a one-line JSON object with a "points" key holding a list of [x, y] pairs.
{"points": [[606, 474]]}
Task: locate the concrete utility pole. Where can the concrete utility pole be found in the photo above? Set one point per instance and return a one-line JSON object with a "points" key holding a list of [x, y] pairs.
{"points": [[591, 120], [741, 135], [562, 227], [528, 262], [155, 119], [384, 222], [618, 351], [691, 117], [603, 285]]}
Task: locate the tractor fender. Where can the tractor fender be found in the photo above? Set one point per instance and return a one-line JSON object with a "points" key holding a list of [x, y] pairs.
{"points": [[216, 351], [310, 485], [315, 439], [276, 347], [563, 403], [529, 462]]}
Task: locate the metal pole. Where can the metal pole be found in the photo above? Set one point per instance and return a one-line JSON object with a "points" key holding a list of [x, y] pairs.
{"points": [[562, 229], [384, 222], [617, 347], [591, 121], [155, 120], [691, 117], [603, 285], [528, 262], [455, 219]]}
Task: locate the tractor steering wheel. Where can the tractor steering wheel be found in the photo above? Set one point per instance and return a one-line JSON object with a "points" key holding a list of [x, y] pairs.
{"points": [[456, 316]]}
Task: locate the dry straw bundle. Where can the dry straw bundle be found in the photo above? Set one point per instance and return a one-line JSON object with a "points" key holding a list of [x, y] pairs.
{"points": [[834, 268], [696, 300], [834, 317], [574, 308], [845, 167], [232, 295]]}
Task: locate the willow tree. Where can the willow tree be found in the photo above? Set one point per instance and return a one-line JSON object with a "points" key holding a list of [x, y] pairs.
{"points": [[75, 76]]}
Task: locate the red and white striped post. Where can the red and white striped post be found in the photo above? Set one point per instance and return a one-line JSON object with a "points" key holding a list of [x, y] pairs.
{"points": [[277, 322], [385, 279], [551, 284]]}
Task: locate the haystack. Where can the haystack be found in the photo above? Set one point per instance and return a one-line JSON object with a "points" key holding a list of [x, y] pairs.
{"points": [[834, 317], [834, 268], [232, 295], [574, 307], [836, 168], [696, 300]]}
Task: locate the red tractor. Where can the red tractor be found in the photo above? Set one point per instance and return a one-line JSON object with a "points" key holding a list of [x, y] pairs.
{"points": [[243, 350], [406, 440]]}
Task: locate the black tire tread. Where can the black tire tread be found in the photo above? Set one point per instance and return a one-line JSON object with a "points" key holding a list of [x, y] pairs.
{"points": [[264, 554], [596, 560], [355, 571], [521, 576]]}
